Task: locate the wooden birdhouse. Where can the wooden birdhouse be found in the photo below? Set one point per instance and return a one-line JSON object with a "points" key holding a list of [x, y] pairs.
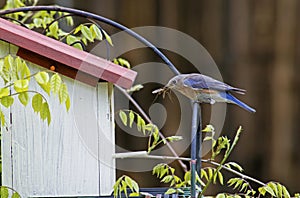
{"points": [[73, 155]]}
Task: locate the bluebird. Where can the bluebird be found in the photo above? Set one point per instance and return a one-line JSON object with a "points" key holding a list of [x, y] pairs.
{"points": [[204, 89]]}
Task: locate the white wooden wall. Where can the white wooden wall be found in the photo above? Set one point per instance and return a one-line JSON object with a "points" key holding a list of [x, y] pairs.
{"points": [[72, 156]]}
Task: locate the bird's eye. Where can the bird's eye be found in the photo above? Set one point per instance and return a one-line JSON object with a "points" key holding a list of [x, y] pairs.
{"points": [[173, 82]]}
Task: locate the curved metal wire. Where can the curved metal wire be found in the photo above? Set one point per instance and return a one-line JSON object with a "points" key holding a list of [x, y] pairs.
{"points": [[12, 19], [98, 18], [80, 42], [57, 19]]}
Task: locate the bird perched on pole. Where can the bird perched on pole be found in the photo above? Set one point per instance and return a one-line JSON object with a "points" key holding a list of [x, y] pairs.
{"points": [[204, 89]]}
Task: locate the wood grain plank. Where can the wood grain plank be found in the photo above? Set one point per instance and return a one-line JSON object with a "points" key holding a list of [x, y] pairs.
{"points": [[61, 159], [106, 138]]}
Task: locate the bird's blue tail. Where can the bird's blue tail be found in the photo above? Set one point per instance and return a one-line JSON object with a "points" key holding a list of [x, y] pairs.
{"points": [[239, 103]]}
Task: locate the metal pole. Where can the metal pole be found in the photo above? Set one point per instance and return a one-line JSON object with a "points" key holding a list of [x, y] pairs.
{"points": [[195, 121], [199, 142]]}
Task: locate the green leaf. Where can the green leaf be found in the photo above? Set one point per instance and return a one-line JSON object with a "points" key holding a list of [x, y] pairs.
{"points": [[167, 179], [63, 93], [128, 182], [7, 101], [8, 62], [70, 21], [265, 189], [37, 102], [122, 62], [135, 88], [4, 49], [107, 37], [84, 40], [238, 183], [174, 138], [86, 32], [96, 32], [78, 29], [135, 186], [141, 124], [37, 22], [53, 30], [170, 191], [232, 181], [15, 195], [123, 117], [207, 138], [279, 187], [163, 172], [286, 193], [4, 192], [124, 188], [24, 70], [46, 87], [244, 186], [273, 186], [42, 78], [71, 40], [209, 129], [116, 186], [221, 195], [24, 98], [21, 85], [134, 194], [68, 103], [45, 112], [236, 165], [131, 118], [187, 176], [210, 173], [4, 92], [2, 119], [221, 179], [204, 174], [55, 83]]}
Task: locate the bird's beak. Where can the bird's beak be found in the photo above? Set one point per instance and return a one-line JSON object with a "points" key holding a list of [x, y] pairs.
{"points": [[158, 90]]}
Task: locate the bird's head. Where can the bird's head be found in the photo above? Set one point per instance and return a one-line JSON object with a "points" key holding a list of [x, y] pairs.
{"points": [[172, 84]]}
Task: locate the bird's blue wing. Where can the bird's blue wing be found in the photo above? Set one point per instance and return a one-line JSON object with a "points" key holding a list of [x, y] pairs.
{"points": [[199, 81], [196, 82]]}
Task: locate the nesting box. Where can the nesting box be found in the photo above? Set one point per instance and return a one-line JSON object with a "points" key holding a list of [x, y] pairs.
{"points": [[73, 155]]}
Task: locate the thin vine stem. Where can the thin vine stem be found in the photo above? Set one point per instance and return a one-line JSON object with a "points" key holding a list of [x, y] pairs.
{"points": [[28, 77], [243, 176], [139, 108], [227, 153], [72, 31], [28, 91], [57, 19]]}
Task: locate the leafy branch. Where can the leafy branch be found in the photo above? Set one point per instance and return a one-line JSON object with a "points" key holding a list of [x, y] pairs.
{"points": [[223, 144], [128, 117], [167, 175], [122, 184], [6, 192], [16, 76], [141, 111]]}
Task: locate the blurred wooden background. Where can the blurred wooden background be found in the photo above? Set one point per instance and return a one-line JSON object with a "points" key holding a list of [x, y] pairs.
{"points": [[256, 44]]}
